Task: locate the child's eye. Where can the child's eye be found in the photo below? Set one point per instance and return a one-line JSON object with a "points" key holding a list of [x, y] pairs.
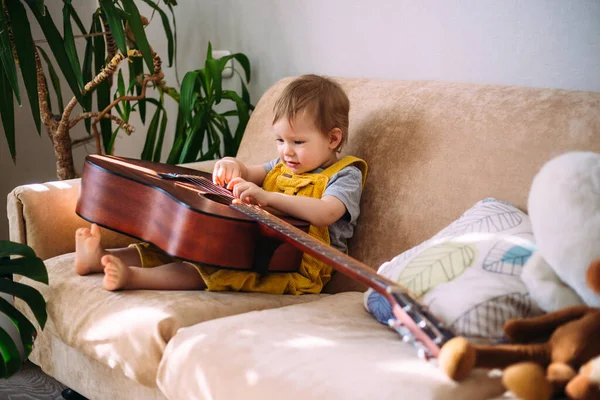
{"points": [[298, 141], [279, 140]]}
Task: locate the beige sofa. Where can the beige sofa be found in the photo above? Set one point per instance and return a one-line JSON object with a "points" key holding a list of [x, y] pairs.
{"points": [[433, 148]]}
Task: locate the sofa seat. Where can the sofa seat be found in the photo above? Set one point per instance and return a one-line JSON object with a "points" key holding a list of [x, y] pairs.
{"points": [[129, 330], [326, 349]]}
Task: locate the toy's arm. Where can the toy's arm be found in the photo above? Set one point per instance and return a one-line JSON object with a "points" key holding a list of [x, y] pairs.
{"points": [[545, 287], [540, 328]]}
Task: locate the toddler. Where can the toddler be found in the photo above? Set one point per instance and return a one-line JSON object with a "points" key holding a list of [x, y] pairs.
{"points": [[306, 181]]}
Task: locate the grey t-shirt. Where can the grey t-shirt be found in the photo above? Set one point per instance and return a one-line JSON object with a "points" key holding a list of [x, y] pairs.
{"points": [[346, 185]]}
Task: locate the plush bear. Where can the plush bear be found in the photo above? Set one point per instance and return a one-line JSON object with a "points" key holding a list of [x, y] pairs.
{"points": [[563, 277]]}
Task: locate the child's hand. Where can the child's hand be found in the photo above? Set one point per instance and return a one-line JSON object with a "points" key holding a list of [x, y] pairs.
{"points": [[226, 170], [248, 192]]}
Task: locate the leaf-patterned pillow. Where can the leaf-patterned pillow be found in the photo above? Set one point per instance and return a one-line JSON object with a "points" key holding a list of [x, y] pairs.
{"points": [[469, 273]]}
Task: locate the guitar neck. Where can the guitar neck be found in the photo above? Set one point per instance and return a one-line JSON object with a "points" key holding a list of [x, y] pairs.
{"points": [[414, 322], [316, 248]]}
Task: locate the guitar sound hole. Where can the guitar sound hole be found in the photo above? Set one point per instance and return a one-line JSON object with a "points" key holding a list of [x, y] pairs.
{"points": [[217, 198]]}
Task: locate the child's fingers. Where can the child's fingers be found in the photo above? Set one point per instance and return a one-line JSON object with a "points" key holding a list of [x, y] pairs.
{"points": [[235, 181], [218, 175]]}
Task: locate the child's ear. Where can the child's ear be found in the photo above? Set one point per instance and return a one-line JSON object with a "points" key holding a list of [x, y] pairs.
{"points": [[335, 138]]}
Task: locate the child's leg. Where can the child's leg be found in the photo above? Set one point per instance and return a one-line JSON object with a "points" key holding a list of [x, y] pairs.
{"points": [[88, 252], [174, 276]]}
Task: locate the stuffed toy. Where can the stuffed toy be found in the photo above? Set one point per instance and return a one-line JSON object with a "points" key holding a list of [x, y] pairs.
{"points": [[561, 342], [564, 209], [559, 351]]}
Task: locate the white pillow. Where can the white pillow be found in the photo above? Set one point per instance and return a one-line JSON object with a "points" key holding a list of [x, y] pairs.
{"points": [[469, 273]]}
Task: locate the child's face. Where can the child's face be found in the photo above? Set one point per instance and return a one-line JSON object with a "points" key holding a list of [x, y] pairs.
{"points": [[302, 147]]}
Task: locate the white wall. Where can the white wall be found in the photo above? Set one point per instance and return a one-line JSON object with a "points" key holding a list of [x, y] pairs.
{"points": [[540, 43]]}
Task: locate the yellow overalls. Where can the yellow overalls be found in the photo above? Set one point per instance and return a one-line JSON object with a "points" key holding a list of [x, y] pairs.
{"points": [[312, 274]]}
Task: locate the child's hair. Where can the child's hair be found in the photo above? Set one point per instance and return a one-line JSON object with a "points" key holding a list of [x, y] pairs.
{"points": [[322, 98]]}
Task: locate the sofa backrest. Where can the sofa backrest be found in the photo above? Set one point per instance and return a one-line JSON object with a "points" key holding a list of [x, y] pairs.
{"points": [[436, 148]]}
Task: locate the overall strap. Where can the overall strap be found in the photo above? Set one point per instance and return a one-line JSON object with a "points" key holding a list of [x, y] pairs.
{"points": [[343, 163]]}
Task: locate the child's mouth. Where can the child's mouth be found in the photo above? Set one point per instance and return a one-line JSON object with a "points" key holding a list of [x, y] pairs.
{"points": [[291, 164]]}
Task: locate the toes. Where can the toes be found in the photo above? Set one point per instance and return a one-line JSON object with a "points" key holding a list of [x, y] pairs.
{"points": [[82, 232], [95, 230], [107, 259]]}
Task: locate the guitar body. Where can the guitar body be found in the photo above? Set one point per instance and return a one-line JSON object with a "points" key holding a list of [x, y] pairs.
{"points": [[181, 218]]}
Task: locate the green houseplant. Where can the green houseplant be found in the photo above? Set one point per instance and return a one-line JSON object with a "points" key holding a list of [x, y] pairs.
{"points": [[202, 133], [28, 265], [116, 33]]}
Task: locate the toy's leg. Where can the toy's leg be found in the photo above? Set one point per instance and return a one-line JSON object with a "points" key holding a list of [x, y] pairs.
{"points": [[527, 381], [458, 357], [540, 328]]}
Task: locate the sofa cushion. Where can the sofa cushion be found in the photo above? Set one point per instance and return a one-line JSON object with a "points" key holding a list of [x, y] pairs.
{"points": [[129, 330], [327, 349], [469, 273]]}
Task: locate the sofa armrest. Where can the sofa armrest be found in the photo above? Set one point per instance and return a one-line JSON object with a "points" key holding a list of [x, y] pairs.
{"points": [[43, 217]]}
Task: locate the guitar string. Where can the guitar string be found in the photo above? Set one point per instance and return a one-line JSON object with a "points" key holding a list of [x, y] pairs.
{"points": [[227, 195]]}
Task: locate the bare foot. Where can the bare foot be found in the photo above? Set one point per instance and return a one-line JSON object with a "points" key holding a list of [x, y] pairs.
{"points": [[116, 273], [88, 251]]}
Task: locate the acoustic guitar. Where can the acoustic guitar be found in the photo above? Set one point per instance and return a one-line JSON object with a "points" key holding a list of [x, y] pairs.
{"points": [[182, 212]]}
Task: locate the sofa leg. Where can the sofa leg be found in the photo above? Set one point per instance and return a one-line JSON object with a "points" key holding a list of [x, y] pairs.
{"points": [[70, 394]]}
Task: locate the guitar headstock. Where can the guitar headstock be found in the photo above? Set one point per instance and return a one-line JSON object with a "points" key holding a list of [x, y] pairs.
{"points": [[416, 324]]}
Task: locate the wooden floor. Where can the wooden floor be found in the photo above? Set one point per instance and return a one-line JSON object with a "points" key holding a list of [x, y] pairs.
{"points": [[30, 384]]}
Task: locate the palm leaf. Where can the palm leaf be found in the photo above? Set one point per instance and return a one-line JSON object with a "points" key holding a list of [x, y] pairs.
{"points": [[178, 140], [26, 52], [194, 138], [137, 27], [161, 136], [243, 113], [77, 20], [136, 68], [54, 79], [86, 71], [174, 39], [25, 328], [29, 295], [31, 267], [167, 28], [214, 72], [56, 43], [115, 24], [7, 112], [11, 358], [103, 89], [70, 42], [121, 91], [8, 249], [151, 136], [188, 93], [242, 59], [6, 55], [40, 6]]}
